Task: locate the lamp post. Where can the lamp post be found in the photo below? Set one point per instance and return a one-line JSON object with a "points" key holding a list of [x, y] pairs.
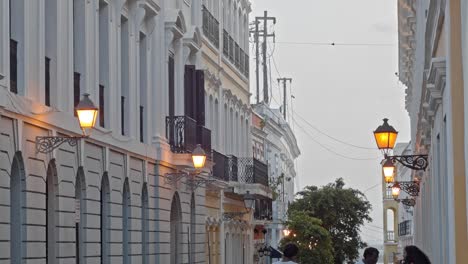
{"points": [[87, 115], [198, 161], [385, 137]]}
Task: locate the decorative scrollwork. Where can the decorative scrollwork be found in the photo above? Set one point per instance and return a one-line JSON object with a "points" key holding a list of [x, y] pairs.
{"points": [[194, 183], [227, 216], [410, 202], [410, 187], [48, 144], [414, 162]]}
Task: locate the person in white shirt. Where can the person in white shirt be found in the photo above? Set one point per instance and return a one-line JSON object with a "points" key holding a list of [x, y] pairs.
{"points": [[371, 256], [289, 254]]}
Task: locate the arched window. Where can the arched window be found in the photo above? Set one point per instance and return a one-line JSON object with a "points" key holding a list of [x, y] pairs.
{"points": [[80, 209], [192, 229], [51, 215], [126, 212], [176, 230], [144, 223], [105, 219], [17, 200]]}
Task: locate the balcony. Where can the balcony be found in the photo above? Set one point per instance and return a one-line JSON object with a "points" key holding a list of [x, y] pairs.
{"points": [[183, 135], [252, 170], [210, 27], [204, 139], [263, 209], [225, 167], [233, 168], [225, 43], [234, 53], [390, 236]]}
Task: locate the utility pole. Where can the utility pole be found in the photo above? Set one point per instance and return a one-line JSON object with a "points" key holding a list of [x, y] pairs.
{"points": [[257, 34], [284, 80]]}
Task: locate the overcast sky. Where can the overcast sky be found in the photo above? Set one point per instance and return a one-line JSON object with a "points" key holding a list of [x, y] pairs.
{"points": [[343, 90]]}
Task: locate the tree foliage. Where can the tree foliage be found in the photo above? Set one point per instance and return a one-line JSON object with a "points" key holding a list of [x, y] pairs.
{"points": [[342, 212], [313, 240]]}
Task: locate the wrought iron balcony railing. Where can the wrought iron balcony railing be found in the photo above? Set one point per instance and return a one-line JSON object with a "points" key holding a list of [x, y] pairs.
{"points": [[404, 228], [234, 53], [204, 139], [231, 49], [210, 27], [237, 56], [252, 170], [225, 43], [263, 209], [220, 167], [233, 168], [390, 236], [181, 133], [225, 167]]}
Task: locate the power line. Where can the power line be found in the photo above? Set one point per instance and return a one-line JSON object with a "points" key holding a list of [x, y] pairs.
{"points": [[327, 135], [335, 44], [372, 187], [328, 149]]}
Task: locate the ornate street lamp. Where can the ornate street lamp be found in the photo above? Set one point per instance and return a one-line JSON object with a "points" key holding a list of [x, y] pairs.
{"points": [[396, 190], [388, 171], [286, 232], [198, 160], [87, 114], [198, 157], [385, 137], [249, 204]]}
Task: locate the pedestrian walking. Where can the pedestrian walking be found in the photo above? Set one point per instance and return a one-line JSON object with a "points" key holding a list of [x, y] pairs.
{"points": [[414, 255], [290, 252], [371, 256]]}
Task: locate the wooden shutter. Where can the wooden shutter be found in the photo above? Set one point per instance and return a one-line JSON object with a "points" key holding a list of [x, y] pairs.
{"points": [[102, 122], [13, 66], [200, 97], [170, 67], [47, 81], [189, 91], [76, 89]]}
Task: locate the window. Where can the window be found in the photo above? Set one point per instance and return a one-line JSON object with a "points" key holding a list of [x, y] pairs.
{"points": [[80, 189], [47, 81], [124, 62], [51, 220], [13, 66], [143, 85], [102, 108], [126, 222], [17, 180], [142, 123], [192, 230], [144, 223], [122, 114], [105, 220], [76, 89], [103, 60], [171, 86], [176, 230]]}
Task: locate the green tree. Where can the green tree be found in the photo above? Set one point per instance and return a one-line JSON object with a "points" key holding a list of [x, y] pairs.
{"points": [[342, 211], [313, 240]]}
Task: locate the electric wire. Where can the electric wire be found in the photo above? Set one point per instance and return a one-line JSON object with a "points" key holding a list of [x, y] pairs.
{"points": [[327, 148], [331, 137], [335, 44]]}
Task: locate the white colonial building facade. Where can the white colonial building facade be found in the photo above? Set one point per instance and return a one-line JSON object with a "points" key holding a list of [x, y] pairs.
{"points": [[275, 143], [166, 75], [433, 66]]}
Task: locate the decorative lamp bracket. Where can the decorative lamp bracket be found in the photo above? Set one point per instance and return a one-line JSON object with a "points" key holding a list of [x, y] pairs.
{"points": [[410, 187], [192, 181], [414, 162], [48, 144], [407, 202]]}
